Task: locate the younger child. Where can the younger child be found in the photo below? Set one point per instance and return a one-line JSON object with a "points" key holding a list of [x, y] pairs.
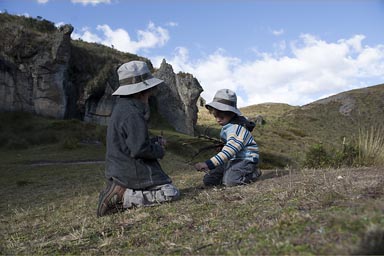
{"points": [[237, 162]]}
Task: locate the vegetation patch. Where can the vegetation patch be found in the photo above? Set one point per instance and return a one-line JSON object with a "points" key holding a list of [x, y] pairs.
{"points": [[287, 211]]}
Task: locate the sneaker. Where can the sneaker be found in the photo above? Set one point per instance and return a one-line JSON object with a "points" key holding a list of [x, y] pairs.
{"points": [[110, 200]]}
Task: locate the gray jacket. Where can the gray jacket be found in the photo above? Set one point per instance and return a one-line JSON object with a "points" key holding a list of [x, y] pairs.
{"points": [[131, 158]]}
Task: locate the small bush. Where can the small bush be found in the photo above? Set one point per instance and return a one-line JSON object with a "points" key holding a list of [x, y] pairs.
{"points": [[346, 157], [317, 157]]}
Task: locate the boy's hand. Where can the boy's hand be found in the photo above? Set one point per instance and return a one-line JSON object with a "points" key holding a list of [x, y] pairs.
{"points": [[159, 140], [162, 141], [201, 166]]}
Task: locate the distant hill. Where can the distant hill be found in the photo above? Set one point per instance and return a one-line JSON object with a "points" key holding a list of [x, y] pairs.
{"points": [[289, 131], [340, 115]]}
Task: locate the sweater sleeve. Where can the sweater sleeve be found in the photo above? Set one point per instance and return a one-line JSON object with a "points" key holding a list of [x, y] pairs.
{"points": [[137, 139], [236, 137]]}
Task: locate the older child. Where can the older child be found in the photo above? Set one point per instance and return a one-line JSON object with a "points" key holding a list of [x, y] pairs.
{"points": [[237, 162], [134, 175]]}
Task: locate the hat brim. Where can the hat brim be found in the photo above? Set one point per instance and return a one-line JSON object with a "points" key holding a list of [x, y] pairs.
{"points": [[129, 89], [223, 107]]}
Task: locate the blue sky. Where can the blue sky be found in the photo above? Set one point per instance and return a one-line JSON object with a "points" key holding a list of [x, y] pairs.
{"points": [[291, 52]]}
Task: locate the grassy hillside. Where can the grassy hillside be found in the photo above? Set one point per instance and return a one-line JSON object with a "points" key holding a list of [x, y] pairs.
{"points": [[290, 131], [53, 170]]}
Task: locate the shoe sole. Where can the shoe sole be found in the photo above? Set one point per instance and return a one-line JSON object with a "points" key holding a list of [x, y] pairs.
{"points": [[105, 196]]}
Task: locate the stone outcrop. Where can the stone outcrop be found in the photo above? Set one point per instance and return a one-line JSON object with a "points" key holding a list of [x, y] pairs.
{"points": [[46, 73], [33, 74], [177, 98], [347, 103]]}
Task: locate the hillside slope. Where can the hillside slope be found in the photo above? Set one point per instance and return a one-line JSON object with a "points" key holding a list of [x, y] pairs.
{"points": [[289, 131], [340, 115], [52, 172]]}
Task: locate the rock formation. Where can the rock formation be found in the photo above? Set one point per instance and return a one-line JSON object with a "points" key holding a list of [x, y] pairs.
{"points": [[43, 71], [33, 69], [177, 98]]}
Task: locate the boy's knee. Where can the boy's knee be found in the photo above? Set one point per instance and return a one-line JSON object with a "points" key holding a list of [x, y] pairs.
{"points": [[231, 183], [212, 181]]}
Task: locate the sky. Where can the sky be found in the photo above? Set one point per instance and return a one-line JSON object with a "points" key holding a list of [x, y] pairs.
{"points": [[285, 51]]}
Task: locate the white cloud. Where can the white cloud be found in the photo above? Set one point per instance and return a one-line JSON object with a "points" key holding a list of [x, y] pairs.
{"points": [[42, 1], [59, 24], [172, 24], [278, 32], [86, 2], [153, 36], [310, 68]]}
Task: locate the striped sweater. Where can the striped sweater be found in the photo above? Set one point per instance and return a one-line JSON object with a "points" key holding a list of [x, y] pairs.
{"points": [[239, 144]]}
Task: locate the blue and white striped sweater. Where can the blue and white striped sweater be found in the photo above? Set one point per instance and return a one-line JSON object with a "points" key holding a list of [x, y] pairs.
{"points": [[239, 144]]}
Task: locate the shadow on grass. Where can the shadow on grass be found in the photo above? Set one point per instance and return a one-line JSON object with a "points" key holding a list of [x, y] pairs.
{"points": [[266, 174], [270, 174]]}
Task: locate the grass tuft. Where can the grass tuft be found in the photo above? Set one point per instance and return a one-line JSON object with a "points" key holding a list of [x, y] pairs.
{"points": [[371, 146]]}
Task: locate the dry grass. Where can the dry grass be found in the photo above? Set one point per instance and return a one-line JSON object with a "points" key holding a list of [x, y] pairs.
{"points": [[371, 146], [51, 210]]}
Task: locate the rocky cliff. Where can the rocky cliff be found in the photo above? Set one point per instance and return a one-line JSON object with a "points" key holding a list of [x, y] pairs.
{"points": [[43, 71], [33, 69]]}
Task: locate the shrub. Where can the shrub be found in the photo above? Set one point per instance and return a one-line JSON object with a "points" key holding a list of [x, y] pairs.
{"points": [[347, 156], [317, 157]]}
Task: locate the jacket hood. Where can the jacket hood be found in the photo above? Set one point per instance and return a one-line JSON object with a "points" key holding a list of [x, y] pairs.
{"points": [[241, 120]]}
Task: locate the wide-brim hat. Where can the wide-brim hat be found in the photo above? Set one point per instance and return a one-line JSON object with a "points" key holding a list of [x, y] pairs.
{"points": [[134, 77], [225, 100]]}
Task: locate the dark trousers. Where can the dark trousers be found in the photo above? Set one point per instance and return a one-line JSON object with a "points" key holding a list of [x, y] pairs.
{"points": [[235, 172]]}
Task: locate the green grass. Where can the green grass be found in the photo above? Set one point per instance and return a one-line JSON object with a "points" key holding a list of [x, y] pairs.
{"points": [[49, 199]]}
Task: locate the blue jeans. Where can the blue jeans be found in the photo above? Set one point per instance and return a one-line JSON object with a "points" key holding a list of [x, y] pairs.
{"points": [[232, 173]]}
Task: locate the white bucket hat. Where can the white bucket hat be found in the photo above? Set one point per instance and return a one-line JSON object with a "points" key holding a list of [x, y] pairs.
{"points": [[225, 100], [134, 77]]}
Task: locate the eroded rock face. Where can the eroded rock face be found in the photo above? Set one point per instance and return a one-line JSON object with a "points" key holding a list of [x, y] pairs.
{"points": [[33, 74], [177, 98], [45, 73]]}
